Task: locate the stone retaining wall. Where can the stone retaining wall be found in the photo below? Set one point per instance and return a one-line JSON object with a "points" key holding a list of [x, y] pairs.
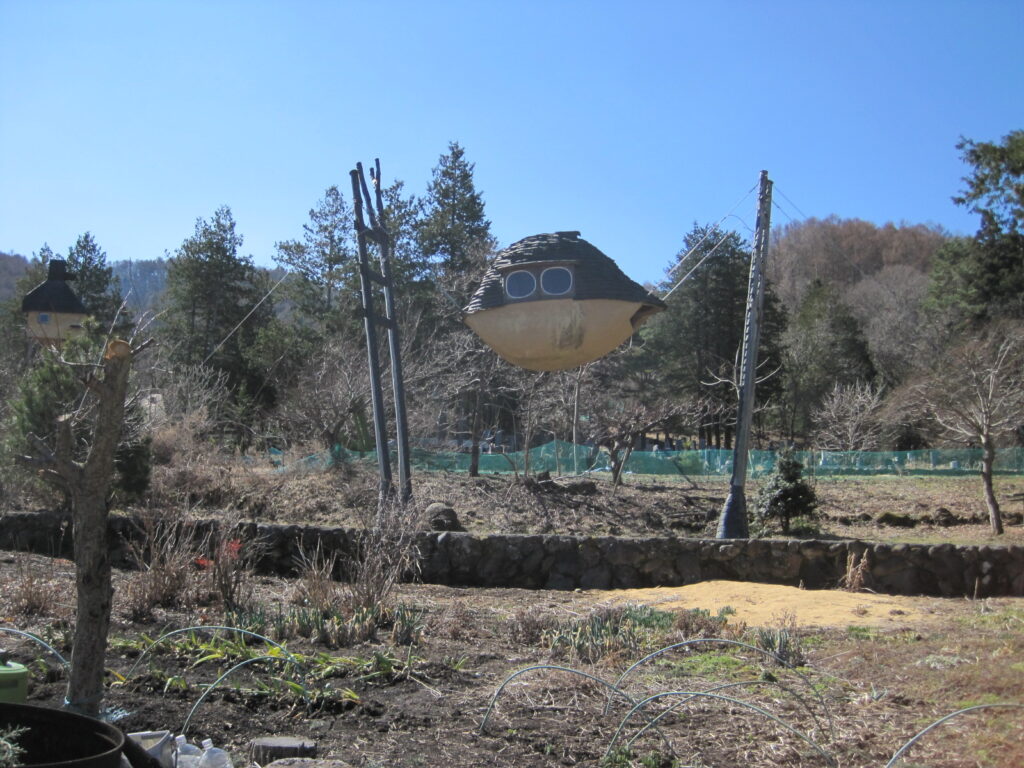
{"points": [[568, 562]]}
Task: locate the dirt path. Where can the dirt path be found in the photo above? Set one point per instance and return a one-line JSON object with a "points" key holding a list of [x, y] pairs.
{"points": [[769, 604]]}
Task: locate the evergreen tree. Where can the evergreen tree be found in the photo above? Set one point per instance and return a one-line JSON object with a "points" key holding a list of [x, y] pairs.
{"points": [[824, 346], [95, 284], [215, 306], [454, 232], [697, 340], [983, 279], [325, 260], [785, 495]]}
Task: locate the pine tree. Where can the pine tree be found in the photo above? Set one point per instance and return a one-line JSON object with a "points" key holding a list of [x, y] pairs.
{"points": [[325, 260], [454, 232], [824, 346], [983, 279], [214, 308], [697, 340], [95, 284]]}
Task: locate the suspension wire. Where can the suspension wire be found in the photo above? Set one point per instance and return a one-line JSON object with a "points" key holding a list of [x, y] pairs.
{"points": [[783, 211], [795, 206], [710, 231], [695, 266], [248, 315]]}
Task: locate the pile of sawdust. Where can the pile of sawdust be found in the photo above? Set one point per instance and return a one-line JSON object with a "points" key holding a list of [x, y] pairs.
{"points": [[772, 604]]}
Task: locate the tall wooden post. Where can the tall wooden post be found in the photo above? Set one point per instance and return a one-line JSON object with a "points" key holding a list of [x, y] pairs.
{"points": [[366, 277], [377, 234], [732, 524]]}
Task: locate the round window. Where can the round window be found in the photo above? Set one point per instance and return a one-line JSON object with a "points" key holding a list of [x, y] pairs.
{"points": [[556, 281], [520, 284]]}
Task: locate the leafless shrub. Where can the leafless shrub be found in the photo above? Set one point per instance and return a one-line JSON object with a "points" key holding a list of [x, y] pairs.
{"points": [[385, 554], [229, 565], [453, 622], [33, 591], [166, 556], [700, 622], [316, 586], [528, 625]]}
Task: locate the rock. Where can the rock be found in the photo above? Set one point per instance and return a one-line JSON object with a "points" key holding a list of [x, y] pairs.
{"points": [[582, 488], [309, 762], [944, 517], [271, 749], [443, 518], [896, 521]]}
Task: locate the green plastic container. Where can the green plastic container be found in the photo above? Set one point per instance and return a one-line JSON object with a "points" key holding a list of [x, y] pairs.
{"points": [[13, 683]]}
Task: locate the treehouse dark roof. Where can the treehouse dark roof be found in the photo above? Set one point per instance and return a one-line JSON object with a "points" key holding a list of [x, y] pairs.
{"points": [[596, 275], [54, 295]]}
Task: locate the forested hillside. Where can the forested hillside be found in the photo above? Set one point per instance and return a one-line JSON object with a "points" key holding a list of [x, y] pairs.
{"points": [[861, 322], [12, 267]]}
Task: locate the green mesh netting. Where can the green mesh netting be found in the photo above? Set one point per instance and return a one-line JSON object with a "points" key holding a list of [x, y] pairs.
{"points": [[562, 458]]}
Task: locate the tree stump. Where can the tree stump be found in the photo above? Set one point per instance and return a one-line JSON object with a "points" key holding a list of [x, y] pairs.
{"points": [[267, 749]]}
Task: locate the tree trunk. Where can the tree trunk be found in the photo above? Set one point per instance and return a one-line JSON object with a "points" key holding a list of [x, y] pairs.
{"points": [[90, 485], [95, 593], [988, 457]]}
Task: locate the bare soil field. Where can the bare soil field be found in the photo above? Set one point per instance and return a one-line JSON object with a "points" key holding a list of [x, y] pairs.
{"points": [[872, 672], [413, 684], [878, 508]]}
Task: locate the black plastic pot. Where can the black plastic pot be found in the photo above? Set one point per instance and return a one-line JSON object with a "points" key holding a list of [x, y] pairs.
{"points": [[59, 738]]}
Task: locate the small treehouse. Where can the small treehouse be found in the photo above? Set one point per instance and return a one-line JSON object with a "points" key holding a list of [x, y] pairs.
{"points": [[554, 301], [53, 312]]}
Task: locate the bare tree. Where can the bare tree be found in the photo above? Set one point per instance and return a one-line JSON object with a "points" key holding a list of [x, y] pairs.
{"points": [[849, 418], [977, 396], [87, 482]]}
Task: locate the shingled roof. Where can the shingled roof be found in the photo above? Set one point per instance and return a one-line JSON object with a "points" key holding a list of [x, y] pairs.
{"points": [[54, 295], [596, 275]]}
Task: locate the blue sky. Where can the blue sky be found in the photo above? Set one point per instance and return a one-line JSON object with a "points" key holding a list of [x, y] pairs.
{"points": [[626, 121]]}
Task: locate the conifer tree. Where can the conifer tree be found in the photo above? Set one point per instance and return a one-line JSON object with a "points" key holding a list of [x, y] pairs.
{"points": [[454, 233], [215, 306]]}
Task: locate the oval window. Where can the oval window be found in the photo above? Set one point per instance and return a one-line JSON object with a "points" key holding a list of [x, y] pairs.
{"points": [[556, 281], [520, 284]]}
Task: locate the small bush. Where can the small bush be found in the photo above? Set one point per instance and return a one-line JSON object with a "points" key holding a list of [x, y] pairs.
{"points": [[166, 555], [33, 592], [385, 555], [698, 622], [316, 586], [528, 625], [785, 495]]}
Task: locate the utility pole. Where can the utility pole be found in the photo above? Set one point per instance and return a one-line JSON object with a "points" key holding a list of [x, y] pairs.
{"points": [[733, 522], [368, 276]]}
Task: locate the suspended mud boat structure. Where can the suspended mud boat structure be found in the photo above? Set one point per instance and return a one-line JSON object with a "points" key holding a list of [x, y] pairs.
{"points": [[53, 312], [551, 302]]}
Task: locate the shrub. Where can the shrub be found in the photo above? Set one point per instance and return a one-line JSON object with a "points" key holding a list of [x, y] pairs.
{"points": [[165, 555], [785, 495]]}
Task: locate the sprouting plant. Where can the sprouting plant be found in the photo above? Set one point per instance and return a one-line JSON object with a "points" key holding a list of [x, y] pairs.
{"points": [[782, 644], [10, 750], [606, 631], [407, 625], [455, 663]]}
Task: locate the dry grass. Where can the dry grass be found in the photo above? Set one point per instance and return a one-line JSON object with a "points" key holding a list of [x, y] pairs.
{"points": [[858, 572], [317, 586], [34, 590], [167, 574]]}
